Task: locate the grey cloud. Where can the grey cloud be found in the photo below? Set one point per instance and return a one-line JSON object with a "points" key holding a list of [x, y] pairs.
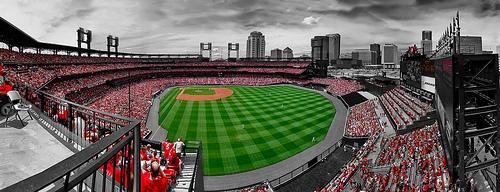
{"points": [[488, 8], [426, 2], [409, 10], [388, 11], [245, 18], [80, 13]]}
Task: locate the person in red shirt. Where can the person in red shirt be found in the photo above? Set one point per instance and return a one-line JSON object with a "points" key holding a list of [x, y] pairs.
{"points": [[154, 181]]}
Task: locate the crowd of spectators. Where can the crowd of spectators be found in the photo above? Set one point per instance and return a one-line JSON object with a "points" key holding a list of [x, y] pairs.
{"points": [[338, 86], [417, 163], [411, 162], [61, 88], [36, 76], [340, 181], [159, 170], [362, 120]]}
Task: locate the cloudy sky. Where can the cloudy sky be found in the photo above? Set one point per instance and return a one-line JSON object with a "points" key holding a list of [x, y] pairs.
{"points": [[178, 26]]}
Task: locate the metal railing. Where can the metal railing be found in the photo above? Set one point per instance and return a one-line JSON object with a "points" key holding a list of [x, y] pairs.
{"points": [[75, 123], [105, 147], [86, 170]]}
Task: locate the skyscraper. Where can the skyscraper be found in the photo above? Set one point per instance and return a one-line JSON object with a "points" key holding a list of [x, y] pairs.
{"points": [[334, 46], [376, 47], [390, 56], [276, 54], [427, 42], [326, 48], [287, 53], [426, 35], [471, 45], [256, 45], [367, 57]]}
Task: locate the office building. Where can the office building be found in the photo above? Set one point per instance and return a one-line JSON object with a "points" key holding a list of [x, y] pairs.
{"points": [[376, 47], [256, 45], [345, 55], [368, 58], [471, 45], [287, 53], [347, 63], [426, 43], [334, 46], [426, 35], [276, 54], [390, 56], [326, 48]]}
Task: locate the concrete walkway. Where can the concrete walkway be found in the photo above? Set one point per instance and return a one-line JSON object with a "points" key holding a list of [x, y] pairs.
{"points": [[26, 151]]}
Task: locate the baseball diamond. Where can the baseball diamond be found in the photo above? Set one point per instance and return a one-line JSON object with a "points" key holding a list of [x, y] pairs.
{"points": [[253, 128]]}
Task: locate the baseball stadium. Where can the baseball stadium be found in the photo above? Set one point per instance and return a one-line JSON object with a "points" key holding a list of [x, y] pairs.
{"points": [[76, 118]]}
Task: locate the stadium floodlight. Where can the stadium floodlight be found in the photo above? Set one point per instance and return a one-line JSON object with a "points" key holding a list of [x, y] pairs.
{"points": [[206, 47], [233, 47], [83, 36], [112, 42]]}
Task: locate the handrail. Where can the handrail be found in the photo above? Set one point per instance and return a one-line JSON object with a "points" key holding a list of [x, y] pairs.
{"points": [[86, 108]]}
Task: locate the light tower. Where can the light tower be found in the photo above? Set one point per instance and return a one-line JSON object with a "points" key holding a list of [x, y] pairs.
{"points": [[206, 47], [112, 42], [233, 47], [83, 36]]}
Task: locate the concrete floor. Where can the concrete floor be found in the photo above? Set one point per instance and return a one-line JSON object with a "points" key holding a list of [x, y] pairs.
{"points": [[26, 151]]}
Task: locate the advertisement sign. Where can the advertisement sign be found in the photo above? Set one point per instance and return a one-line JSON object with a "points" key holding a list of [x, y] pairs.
{"points": [[428, 84]]}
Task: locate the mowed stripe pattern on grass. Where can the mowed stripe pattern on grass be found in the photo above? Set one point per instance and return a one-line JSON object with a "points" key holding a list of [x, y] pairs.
{"points": [[253, 128]]}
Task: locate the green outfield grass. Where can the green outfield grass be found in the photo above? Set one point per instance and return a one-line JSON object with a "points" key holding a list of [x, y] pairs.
{"points": [[253, 128], [199, 91]]}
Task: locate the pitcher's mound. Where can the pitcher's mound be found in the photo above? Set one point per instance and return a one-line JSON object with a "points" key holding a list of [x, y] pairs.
{"points": [[219, 93]]}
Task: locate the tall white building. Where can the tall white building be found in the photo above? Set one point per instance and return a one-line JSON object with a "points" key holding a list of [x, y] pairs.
{"points": [[256, 45], [390, 56]]}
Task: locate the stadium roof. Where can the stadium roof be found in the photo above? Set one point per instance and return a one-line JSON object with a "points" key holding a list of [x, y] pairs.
{"points": [[13, 36]]}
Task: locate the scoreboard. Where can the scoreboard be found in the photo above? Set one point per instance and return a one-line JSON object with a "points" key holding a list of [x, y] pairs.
{"points": [[418, 74]]}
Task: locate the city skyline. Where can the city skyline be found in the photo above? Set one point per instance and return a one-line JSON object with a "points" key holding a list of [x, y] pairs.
{"points": [[179, 26]]}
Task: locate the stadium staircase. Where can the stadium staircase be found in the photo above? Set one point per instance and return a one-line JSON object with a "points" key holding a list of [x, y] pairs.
{"points": [[186, 177]]}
